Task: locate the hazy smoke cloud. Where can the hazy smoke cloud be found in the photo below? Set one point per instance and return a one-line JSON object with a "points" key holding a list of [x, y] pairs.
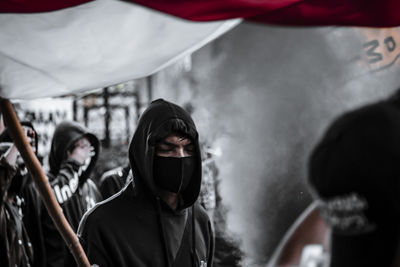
{"points": [[264, 95]]}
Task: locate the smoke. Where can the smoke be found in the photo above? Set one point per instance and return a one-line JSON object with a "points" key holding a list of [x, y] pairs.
{"points": [[264, 95]]}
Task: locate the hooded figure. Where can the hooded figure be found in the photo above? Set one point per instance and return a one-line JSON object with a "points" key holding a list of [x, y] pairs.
{"points": [[26, 198], [22, 179], [15, 242], [137, 226], [69, 179], [354, 173]]}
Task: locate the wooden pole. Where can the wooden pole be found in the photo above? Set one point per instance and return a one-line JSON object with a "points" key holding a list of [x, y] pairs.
{"points": [[41, 181]]}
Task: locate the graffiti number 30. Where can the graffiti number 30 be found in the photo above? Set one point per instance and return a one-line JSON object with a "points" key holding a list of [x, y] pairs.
{"points": [[372, 46]]}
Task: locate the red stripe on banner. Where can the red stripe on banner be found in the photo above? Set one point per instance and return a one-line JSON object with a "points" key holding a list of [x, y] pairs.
{"points": [[29, 6], [209, 10], [376, 13]]}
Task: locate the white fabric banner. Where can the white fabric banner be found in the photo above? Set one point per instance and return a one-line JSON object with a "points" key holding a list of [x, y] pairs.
{"points": [[91, 46]]}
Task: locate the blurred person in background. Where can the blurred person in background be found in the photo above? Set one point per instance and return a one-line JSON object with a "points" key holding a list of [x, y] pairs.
{"points": [[157, 222], [25, 197], [15, 243], [354, 173], [73, 155]]}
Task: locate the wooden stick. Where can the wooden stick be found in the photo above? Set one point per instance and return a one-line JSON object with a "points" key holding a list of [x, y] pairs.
{"points": [[41, 181]]}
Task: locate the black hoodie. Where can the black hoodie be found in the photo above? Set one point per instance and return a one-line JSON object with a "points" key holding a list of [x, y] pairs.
{"points": [[75, 192], [114, 180], [136, 227], [27, 201], [22, 178]]}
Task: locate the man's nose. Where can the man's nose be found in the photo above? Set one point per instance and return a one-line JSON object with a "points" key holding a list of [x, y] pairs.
{"points": [[182, 152]]}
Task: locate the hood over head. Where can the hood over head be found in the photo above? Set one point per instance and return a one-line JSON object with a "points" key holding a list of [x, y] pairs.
{"points": [[154, 125], [354, 173], [5, 136], [65, 135], [21, 178]]}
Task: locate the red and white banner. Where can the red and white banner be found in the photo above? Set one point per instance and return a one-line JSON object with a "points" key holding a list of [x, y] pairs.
{"points": [[92, 45], [50, 48], [376, 13]]}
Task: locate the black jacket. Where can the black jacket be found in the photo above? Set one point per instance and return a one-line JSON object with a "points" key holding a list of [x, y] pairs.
{"points": [[32, 207], [136, 227], [74, 191], [26, 204], [15, 246]]}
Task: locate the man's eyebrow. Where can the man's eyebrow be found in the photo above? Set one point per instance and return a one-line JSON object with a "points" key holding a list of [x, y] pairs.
{"points": [[163, 142], [167, 143]]}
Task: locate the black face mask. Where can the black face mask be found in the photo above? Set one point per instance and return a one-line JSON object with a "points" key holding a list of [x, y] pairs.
{"points": [[173, 174]]}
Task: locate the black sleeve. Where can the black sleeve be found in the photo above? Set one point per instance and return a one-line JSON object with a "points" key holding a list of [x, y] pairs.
{"points": [[89, 236], [68, 168], [68, 173], [32, 210]]}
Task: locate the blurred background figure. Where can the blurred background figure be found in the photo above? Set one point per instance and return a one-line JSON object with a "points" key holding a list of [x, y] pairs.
{"points": [[15, 244], [24, 196], [354, 173], [73, 155]]}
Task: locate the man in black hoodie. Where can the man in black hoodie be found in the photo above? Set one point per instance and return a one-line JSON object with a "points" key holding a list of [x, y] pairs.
{"points": [[73, 155], [354, 175], [155, 223]]}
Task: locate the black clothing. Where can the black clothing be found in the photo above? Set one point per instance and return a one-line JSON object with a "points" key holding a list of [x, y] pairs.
{"points": [[15, 245], [21, 178], [114, 180], [74, 191], [32, 208], [354, 172], [136, 227], [25, 203]]}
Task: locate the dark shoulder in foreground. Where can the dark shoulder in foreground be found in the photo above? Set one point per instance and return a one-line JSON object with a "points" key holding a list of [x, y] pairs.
{"points": [[103, 210]]}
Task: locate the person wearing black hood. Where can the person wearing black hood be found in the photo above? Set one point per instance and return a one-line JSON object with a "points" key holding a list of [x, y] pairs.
{"points": [[157, 222], [354, 174], [73, 155]]}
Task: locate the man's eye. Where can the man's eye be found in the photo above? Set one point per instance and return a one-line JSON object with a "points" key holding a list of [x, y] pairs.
{"points": [[190, 148], [164, 149], [190, 151]]}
